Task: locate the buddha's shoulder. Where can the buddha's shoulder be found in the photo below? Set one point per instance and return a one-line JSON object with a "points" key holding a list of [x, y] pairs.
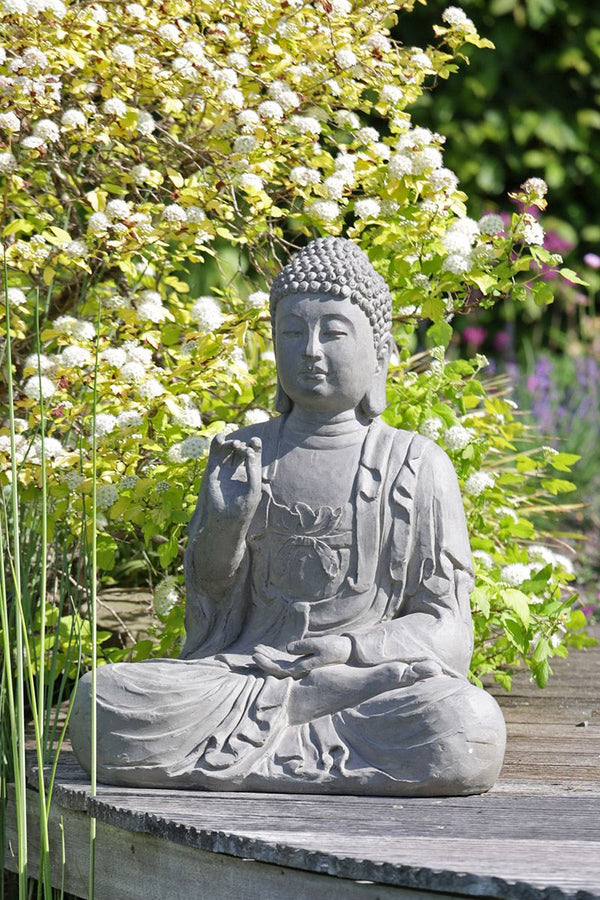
{"points": [[409, 447]]}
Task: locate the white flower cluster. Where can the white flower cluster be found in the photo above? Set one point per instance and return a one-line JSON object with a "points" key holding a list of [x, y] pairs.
{"points": [[106, 495], [530, 231], [150, 307], [457, 437], [477, 482], [76, 357], [207, 313], [325, 210], [304, 176], [186, 413], [535, 187], [458, 242], [485, 559], [77, 328], [541, 555], [257, 300], [368, 208], [455, 17], [166, 595], [515, 574], [431, 428], [255, 416], [491, 223]]}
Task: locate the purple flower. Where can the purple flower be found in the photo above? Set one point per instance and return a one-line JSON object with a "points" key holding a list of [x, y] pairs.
{"points": [[475, 335], [592, 260], [502, 341]]}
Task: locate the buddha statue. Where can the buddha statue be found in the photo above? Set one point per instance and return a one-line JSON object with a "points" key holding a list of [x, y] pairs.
{"points": [[328, 574]]}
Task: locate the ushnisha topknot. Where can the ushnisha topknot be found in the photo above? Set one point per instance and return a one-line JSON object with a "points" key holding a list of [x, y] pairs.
{"points": [[336, 266]]}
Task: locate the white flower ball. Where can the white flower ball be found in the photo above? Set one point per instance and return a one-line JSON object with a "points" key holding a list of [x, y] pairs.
{"points": [[207, 313], [133, 372], [174, 214], [491, 224], [83, 331], [76, 357], [515, 574], [150, 310], [194, 447], [145, 122], [431, 428], [118, 209], [105, 424], [250, 181], [73, 118], [114, 107], [256, 416], [113, 356], [10, 122], [170, 32], [537, 187], [150, 389], [98, 223], [457, 437], [76, 249], [367, 209], [270, 111], [257, 300], [8, 163], [106, 495], [345, 58], [129, 418], [400, 164], [16, 297], [325, 210], [166, 596], [477, 482], [123, 55], [47, 130], [457, 263], [35, 384]]}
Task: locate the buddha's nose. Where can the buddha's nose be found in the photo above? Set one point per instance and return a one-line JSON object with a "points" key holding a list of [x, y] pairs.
{"points": [[313, 348]]}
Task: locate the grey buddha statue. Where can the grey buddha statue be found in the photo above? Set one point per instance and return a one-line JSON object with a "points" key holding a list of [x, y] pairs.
{"points": [[328, 574]]}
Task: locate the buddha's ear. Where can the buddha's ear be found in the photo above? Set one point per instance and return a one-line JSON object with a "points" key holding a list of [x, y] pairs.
{"points": [[283, 404], [374, 402]]}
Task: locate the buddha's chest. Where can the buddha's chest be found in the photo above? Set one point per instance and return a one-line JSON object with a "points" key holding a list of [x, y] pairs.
{"points": [[316, 477]]}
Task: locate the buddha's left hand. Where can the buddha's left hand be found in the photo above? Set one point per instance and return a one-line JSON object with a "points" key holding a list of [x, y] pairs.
{"points": [[305, 655]]}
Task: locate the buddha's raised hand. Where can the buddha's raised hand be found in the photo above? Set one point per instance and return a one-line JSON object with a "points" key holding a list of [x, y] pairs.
{"points": [[234, 478]]}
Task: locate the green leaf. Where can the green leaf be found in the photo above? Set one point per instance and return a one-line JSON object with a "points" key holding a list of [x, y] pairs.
{"points": [[481, 599], [558, 485], [576, 620], [570, 275], [519, 602], [440, 334], [564, 461], [484, 282]]}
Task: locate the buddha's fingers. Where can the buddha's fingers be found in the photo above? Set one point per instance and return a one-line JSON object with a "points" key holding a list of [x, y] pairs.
{"points": [[253, 460]]}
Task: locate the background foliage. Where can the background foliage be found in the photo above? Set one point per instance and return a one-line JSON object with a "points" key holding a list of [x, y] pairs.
{"points": [[158, 165]]}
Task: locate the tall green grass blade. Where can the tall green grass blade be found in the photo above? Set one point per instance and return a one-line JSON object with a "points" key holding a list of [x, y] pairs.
{"points": [[19, 760]]}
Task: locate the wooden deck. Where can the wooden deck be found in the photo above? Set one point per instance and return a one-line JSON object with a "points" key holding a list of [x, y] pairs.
{"points": [[535, 835]]}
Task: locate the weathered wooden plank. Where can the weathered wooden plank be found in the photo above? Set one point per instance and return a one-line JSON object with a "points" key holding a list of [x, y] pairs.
{"points": [[137, 866]]}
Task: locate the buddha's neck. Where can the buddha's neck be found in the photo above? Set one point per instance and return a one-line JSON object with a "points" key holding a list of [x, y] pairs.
{"points": [[320, 423]]}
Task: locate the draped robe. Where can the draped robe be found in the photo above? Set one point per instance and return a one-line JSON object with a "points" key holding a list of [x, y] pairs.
{"points": [[393, 573]]}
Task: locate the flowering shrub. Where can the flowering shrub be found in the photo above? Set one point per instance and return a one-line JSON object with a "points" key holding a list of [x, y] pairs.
{"points": [[145, 143]]}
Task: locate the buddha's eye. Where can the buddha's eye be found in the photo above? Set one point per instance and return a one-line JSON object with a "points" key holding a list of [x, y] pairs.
{"points": [[334, 332]]}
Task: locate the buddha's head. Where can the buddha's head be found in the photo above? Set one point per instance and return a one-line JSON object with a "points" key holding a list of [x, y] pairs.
{"points": [[331, 314]]}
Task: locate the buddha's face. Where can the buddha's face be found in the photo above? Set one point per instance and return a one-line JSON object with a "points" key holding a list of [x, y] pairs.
{"points": [[326, 358]]}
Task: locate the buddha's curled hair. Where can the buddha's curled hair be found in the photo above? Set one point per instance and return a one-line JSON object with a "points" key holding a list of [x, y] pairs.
{"points": [[336, 266]]}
